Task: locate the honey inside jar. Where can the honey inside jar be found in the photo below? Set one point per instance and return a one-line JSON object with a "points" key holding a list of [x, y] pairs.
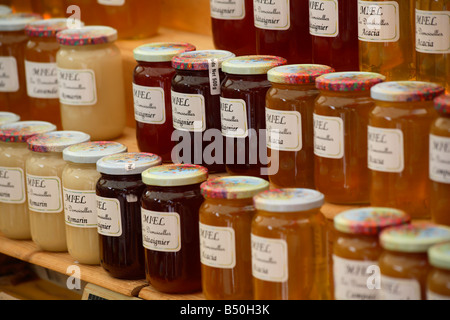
{"points": [[438, 283]]}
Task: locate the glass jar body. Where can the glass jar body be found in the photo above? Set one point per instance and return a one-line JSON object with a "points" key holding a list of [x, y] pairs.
{"points": [[438, 284]]}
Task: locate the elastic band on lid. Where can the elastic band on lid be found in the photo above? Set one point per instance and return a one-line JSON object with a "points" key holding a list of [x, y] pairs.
{"points": [[236, 187], [349, 81], [161, 51], [406, 91], [199, 60], [298, 73], [255, 64]]}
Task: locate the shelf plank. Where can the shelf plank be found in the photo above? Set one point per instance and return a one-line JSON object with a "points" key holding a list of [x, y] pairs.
{"points": [[150, 293]]}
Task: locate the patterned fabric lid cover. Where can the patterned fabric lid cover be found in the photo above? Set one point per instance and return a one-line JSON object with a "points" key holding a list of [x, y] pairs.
{"points": [[161, 51], [256, 64], [23, 130], [91, 152], [289, 200], [442, 104], [298, 73], [235, 187], [56, 141], [46, 28], [89, 35], [349, 81], [200, 59], [404, 91], [131, 163], [172, 175]]}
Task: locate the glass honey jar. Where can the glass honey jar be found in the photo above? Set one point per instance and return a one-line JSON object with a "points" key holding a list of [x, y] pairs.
{"points": [[404, 265], [289, 122], [225, 245], [398, 145], [341, 115], [356, 250], [440, 162], [438, 282], [289, 246]]}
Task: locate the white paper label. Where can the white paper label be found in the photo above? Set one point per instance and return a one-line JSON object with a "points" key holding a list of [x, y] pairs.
{"points": [[385, 150], [234, 118], [111, 2], [9, 76], [214, 78], [44, 194], [269, 259], [433, 31], [217, 247], [328, 137], [161, 231], [80, 208], [149, 104], [228, 9], [109, 217], [12, 185], [188, 111], [77, 87], [350, 279], [42, 80], [284, 130], [434, 296], [378, 21], [440, 159], [272, 14], [399, 289], [324, 18]]}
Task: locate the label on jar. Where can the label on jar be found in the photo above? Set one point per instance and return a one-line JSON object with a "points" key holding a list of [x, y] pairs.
{"points": [[12, 185], [111, 2], [80, 208], [77, 87], [109, 217], [217, 247], [269, 259], [440, 159], [214, 77], [234, 118], [385, 149], [324, 18], [378, 21], [432, 31], [44, 194], [272, 14], [42, 80], [328, 137], [435, 296], [161, 231], [399, 289], [228, 10], [188, 111], [149, 104], [9, 76], [284, 130], [350, 279]]}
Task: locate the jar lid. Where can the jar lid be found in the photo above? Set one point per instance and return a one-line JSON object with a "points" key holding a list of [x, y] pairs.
{"points": [[442, 104], [369, 221], [56, 141], [349, 81], [289, 200], [90, 35], [255, 64], [17, 21], [298, 73], [23, 130], [415, 237], [175, 175], [404, 91], [91, 152], [8, 117], [439, 255], [200, 60], [161, 51], [4, 10], [131, 163], [235, 187], [46, 28]]}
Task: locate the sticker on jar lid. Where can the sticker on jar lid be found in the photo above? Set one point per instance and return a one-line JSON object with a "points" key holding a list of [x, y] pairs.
{"points": [[46, 28], [89, 35], [23, 130], [349, 81], [439, 255], [199, 60], [439, 164], [324, 18], [370, 221], [9, 75], [442, 104], [131, 163], [255, 64], [433, 31], [161, 231], [272, 15], [415, 237], [8, 117], [289, 200], [406, 91], [175, 175], [378, 21], [17, 21], [269, 259], [44, 193], [399, 289], [161, 51], [298, 73], [109, 217], [228, 10], [56, 141], [12, 185], [91, 152], [235, 187], [217, 246]]}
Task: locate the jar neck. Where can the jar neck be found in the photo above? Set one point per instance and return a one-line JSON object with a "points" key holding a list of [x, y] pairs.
{"points": [[88, 47], [406, 104], [346, 94], [289, 214], [84, 166], [16, 145], [299, 87], [174, 189], [54, 155], [247, 77], [231, 202], [132, 177], [159, 64]]}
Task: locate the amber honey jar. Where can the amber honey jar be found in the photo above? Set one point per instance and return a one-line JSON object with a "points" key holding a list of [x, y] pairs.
{"points": [[341, 115], [398, 145], [225, 246], [438, 283], [170, 227], [356, 250], [289, 122], [289, 246], [404, 262], [440, 162]]}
